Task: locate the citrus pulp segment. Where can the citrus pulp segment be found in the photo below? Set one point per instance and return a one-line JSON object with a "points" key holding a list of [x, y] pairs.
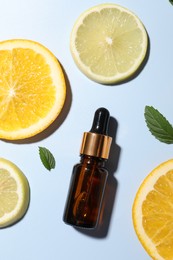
{"points": [[108, 43], [153, 212], [32, 88], [14, 193]]}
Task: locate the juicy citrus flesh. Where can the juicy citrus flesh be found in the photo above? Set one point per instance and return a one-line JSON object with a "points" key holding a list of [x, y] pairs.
{"points": [[14, 193], [108, 43], [153, 212], [32, 88]]}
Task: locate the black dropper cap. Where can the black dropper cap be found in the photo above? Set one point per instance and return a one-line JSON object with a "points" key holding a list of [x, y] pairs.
{"points": [[96, 142], [100, 121]]}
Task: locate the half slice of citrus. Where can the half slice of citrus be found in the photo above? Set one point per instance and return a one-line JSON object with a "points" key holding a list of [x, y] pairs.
{"points": [[153, 212], [14, 193], [32, 88], [108, 43]]}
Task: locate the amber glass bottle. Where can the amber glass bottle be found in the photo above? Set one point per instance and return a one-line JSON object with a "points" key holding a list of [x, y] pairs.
{"points": [[89, 176]]}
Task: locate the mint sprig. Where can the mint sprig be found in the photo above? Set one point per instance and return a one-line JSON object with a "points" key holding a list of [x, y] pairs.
{"points": [[47, 158], [171, 1], [158, 125]]}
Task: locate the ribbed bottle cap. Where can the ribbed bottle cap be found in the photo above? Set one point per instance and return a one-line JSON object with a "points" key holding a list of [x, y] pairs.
{"points": [[97, 142]]}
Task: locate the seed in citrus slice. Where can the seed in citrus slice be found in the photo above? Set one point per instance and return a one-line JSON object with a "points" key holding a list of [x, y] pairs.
{"points": [[108, 43], [32, 88], [14, 193], [153, 212]]}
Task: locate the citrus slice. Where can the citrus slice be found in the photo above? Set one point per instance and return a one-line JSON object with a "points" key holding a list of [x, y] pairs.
{"points": [[108, 43], [14, 193], [32, 88], [153, 212]]}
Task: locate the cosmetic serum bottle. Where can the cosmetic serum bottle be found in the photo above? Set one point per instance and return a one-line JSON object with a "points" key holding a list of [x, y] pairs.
{"points": [[90, 175]]}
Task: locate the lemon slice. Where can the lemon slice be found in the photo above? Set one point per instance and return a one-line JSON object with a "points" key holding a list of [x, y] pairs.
{"points": [[32, 88], [108, 43], [153, 212], [14, 193]]}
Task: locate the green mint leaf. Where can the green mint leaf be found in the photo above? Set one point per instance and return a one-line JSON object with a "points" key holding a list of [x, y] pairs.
{"points": [[47, 158], [171, 1], [158, 125]]}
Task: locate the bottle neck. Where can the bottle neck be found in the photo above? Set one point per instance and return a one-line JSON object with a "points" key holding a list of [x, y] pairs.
{"points": [[96, 145], [100, 162]]}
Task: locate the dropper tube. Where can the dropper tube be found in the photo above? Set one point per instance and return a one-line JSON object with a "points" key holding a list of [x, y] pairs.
{"points": [[96, 142]]}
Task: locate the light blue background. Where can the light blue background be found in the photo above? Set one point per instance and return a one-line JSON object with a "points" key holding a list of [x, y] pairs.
{"points": [[41, 234]]}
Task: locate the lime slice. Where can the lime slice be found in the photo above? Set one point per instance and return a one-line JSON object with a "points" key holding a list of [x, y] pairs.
{"points": [[14, 193], [108, 43]]}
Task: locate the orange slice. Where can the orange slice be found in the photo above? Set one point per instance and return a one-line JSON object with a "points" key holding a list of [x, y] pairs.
{"points": [[153, 212], [32, 88]]}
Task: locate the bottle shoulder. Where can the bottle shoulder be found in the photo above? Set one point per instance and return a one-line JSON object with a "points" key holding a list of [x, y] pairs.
{"points": [[88, 167]]}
